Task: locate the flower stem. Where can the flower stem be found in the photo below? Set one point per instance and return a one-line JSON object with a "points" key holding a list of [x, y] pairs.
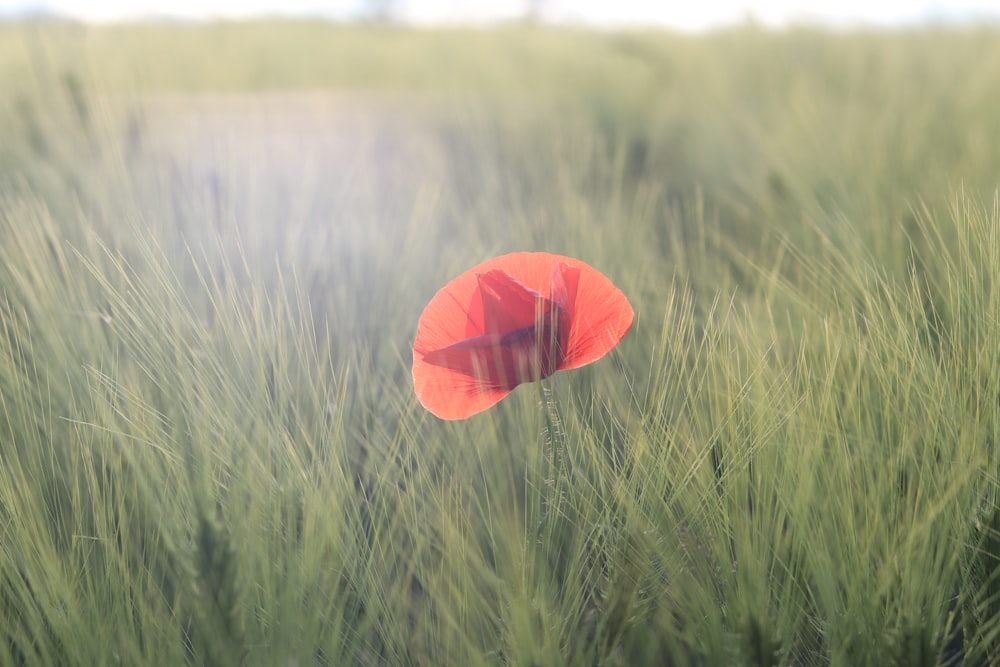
{"points": [[552, 425]]}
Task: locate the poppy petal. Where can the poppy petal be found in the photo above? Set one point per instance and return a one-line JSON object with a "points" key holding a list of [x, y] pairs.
{"points": [[479, 335], [451, 395], [565, 281], [507, 303], [601, 316], [562, 289], [496, 361], [453, 314]]}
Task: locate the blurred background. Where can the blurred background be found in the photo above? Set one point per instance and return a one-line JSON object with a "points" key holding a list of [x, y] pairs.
{"points": [[677, 15]]}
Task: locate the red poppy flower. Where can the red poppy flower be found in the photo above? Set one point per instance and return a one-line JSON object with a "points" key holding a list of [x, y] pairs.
{"points": [[515, 318]]}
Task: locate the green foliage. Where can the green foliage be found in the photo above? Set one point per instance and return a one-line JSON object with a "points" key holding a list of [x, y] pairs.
{"points": [[210, 276]]}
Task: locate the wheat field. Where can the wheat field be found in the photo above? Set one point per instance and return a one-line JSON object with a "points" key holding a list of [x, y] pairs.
{"points": [[215, 243]]}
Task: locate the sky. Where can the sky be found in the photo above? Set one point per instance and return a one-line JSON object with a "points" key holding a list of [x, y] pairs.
{"points": [[678, 14]]}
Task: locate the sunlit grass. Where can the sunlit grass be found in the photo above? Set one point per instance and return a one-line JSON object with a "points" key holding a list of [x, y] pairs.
{"points": [[211, 452]]}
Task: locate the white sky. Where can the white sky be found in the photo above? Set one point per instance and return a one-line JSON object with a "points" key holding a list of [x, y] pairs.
{"points": [[683, 14]]}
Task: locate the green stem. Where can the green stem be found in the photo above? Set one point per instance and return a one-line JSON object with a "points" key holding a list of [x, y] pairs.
{"points": [[551, 426]]}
